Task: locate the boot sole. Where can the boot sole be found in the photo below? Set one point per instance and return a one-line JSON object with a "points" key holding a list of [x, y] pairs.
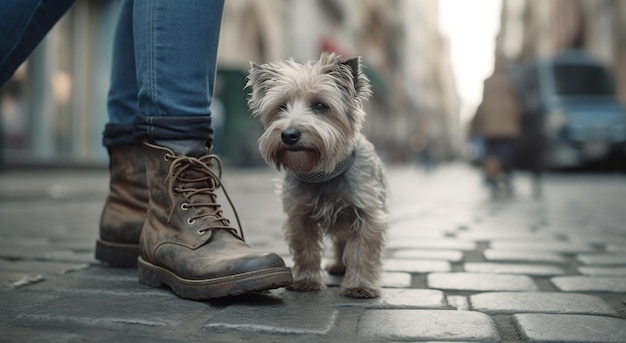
{"points": [[117, 255], [231, 285]]}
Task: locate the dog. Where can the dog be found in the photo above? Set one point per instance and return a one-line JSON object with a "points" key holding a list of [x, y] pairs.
{"points": [[334, 181]]}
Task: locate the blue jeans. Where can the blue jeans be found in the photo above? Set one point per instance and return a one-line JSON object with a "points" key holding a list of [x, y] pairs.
{"points": [[163, 72], [164, 63], [23, 24]]}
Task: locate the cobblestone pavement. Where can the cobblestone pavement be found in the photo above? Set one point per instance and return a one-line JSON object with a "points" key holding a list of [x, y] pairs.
{"points": [[459, 267]]}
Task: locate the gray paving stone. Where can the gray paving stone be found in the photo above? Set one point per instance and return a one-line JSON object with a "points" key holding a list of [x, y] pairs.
{"points": [[489, 235], [392, 279], [602, 271], [513, 268], [12, 334], [74, 242], [47, 254], [430, 243], [96, 281], [553, 246], [388, 280], [71, 256], [415, 266], [276, 318], [536, 302], [395, 280], [421, 325], [590, 284], [112, 310], [523, 256], [616, 247], [21, 253], [458, 302], [604, 238], [399, 299], [446, 255], [23, 242], [16, 280], [481, 282], [14, 300], [570, 328], [603, 259], [414, 230], [42, 267]]}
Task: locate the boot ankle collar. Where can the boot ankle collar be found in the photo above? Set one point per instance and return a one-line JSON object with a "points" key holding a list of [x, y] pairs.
{"points": [[319, 177]]}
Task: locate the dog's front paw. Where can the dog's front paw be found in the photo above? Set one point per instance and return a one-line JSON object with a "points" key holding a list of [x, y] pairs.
{"points": [[361, 292], [306, 285]]}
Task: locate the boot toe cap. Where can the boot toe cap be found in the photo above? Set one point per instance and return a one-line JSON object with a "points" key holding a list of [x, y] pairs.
{"points": [[204, 265]]}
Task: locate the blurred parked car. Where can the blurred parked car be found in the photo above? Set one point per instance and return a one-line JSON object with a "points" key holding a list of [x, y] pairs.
{"points": [[572, 113]]}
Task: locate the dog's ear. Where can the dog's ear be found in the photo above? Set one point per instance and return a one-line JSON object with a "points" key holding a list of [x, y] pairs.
{"points": [[355, 66], [361, 82], [258, 81], [256, 76]]}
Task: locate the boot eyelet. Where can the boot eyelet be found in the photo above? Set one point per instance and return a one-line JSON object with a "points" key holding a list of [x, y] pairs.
{"points": [[184, 206], [166, 157], [191, 221], [176, 191], [201, 231]]}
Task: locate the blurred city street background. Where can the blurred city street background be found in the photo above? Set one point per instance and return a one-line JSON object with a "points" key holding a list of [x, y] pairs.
{"points": [[426, 61], [546, 262]]}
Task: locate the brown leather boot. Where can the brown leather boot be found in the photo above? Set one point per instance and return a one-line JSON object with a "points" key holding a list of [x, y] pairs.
{"points": [[187, 244], [125, 209]]}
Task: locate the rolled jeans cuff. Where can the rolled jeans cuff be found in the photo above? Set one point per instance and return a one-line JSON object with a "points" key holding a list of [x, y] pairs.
{"points": [[118, 134], [173, 128]]}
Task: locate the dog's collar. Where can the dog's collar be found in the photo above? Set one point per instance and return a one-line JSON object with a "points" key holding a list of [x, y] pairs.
{"points": [[319, 177]]}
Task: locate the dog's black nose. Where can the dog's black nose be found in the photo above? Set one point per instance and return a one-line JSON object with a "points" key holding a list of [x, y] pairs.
{"points": [[290, 136]]}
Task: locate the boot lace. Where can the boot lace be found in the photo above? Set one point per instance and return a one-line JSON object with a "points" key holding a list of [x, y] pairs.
{"points": [[206, 176]]}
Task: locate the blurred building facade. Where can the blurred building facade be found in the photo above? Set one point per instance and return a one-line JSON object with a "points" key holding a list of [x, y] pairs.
{"points": [[55, 107], [415, 104], [540, 29]]}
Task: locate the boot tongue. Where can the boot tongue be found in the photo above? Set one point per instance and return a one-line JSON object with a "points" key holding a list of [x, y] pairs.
{"points": [[186, 147]]}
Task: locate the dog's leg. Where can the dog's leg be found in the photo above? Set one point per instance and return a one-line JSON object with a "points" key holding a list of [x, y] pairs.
{"points": [[337, 267], [305, 242], [363, 259]]}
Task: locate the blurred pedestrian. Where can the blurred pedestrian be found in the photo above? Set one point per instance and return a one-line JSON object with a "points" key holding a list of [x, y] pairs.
{"points": [[497, 121], [162, 204], [533, 142]]}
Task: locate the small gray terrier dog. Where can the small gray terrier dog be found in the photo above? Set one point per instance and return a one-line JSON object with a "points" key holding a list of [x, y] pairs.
{"points": [[334, 182]]}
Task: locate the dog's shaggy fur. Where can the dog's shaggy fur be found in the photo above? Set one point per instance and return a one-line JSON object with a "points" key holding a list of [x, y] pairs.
{"points": [[334, 181]]}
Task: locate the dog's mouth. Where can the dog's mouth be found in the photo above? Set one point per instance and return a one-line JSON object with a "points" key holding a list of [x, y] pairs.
{"points": [[294, 148]]}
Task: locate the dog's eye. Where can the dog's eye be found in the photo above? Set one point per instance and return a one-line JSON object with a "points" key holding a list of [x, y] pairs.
{"points": [[320, 107], [282, 107]]}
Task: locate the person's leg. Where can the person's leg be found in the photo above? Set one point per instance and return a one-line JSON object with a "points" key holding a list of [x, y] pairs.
{"points": [[23, 24], [507, 146], [506, 154], [186, 243], [538, 165], [125, 209], [492, 163], [176, 50]]}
